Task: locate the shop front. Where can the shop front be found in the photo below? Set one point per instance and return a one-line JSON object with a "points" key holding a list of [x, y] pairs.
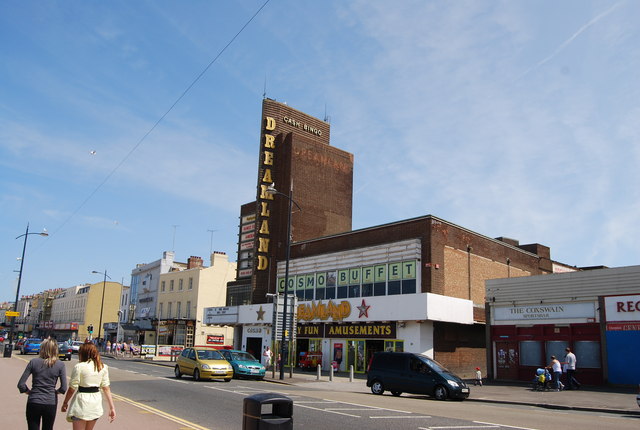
{"points": [[595, 313], [342, 345], [524, 338], [62, 331]]}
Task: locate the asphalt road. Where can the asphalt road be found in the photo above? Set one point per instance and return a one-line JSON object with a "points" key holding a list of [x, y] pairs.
{"points": [[219, 405]]}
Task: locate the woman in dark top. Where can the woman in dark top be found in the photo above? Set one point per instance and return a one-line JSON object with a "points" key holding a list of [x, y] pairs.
{"points": [[45, 372]]}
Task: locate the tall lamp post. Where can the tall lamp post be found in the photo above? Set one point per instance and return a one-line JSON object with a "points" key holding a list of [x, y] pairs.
{"points": [[9, 348], [104, 287], [283, 343]]}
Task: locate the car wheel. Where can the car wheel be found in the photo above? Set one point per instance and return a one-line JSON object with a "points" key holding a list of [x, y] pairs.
{"points": [[196, 375], [440, 393], [396, 393], [377, 387], [177, 372]]}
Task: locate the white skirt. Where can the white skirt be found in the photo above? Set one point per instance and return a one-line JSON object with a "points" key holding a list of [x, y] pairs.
{"points": [[85, 406]]}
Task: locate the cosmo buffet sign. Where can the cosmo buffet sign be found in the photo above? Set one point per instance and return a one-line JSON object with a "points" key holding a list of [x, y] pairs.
{"points": [[545, 311]]}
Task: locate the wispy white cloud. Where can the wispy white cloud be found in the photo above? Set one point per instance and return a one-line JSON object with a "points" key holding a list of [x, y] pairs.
{"points": [[566, 43]]}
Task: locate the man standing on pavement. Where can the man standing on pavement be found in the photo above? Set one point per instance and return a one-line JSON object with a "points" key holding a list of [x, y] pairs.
{"points": [[266, 357], [570, 361]]}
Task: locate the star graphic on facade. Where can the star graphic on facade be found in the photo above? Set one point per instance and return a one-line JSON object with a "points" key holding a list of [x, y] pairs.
{"points": [[364, 310], [260, 313]]}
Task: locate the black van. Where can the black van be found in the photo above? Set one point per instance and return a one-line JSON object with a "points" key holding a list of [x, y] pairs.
{"points": [[406, 372]]}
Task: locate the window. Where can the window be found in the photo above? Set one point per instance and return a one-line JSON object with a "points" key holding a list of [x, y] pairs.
{"points": [[354, 290], [379, 289], [178, 309], [188, 310], [393, 288], [367, 290], [162, 286], [191, 283], [171, 285], [160, 310], [531, 353], [169, 306], [408, 286], [180, 285], [588, 353]]}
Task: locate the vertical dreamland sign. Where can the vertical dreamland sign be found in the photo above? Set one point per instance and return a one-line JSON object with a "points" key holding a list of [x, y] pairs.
{"points": [[622, 313]]}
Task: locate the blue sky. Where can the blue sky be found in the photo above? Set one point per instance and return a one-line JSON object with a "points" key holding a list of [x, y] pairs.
{"points": [[515, 118]]}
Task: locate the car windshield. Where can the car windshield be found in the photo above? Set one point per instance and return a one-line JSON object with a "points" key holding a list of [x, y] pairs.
{"points": [[433, 364], [242, 356], [209, 354], [34, 341]]}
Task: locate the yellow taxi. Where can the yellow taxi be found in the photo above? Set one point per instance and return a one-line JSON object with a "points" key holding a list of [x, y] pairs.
{"points": [[203, 363]]}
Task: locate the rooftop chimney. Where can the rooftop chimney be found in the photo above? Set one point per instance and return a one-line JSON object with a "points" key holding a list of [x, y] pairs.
{"points": [[194, 262]]}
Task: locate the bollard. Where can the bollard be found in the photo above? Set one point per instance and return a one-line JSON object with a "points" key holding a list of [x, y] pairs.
{"points": [[351, 373], [319, 372], [331, 373]]}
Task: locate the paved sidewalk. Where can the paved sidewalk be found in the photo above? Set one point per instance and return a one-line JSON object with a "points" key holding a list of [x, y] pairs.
{"points": [[130, 415]]}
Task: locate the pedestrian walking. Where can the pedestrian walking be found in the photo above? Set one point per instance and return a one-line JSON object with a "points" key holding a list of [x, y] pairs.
{"points": [[570, 362], [556, 368], [83, 402], [478, 380], [45, 372]]}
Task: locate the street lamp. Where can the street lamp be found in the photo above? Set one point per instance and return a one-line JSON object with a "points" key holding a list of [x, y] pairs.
{"points": [[9, 348], [104, 287], [283, 347]]}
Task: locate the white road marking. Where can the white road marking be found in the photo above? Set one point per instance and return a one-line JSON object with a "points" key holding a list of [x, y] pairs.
{"points": [[460, 427], [331, 412], [175, 380], [372, 407], [401, 417], [504, 425]]}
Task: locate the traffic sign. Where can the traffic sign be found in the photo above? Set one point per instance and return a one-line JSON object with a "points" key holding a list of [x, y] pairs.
{"points": [[12, 314]]}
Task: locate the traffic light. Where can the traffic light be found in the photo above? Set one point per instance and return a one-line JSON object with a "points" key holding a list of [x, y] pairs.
{"points": [[90, 329]]}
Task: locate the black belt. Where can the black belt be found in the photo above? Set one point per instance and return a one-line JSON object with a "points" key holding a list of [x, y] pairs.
{"points": [[88, 389]]}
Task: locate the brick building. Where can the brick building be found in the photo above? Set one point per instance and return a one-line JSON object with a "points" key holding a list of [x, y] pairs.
{"points": [[414, 285]]}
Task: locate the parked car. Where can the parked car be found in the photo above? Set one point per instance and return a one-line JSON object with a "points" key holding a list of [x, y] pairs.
{"points": [[203, 363], [244, 364], [405, 372], [64, 351], [31, 346]]}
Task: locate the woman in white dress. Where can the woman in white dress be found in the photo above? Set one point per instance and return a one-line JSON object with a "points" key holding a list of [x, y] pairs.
{"points": [[88, 378]]}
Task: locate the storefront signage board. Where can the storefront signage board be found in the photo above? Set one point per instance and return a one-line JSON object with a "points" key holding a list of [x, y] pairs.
{"points": [[545, 311]]}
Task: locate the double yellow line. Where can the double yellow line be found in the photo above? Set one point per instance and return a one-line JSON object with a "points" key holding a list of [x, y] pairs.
{"points": [[185, 423]]}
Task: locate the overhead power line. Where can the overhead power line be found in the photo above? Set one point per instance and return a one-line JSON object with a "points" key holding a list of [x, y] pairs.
{"points": [[144, 137]]}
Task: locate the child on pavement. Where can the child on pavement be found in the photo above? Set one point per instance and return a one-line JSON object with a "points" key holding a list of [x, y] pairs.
{"points": [[478, 380]]}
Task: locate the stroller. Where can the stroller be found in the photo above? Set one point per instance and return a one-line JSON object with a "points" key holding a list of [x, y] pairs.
{"points": [[542, 381]]}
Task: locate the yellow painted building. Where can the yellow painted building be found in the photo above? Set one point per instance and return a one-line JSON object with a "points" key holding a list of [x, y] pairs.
{"points": [[74, 309], [182, 297]]}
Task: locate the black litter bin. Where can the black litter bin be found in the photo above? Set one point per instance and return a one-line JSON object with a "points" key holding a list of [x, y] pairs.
{"points": [[267, 411], [8, 348]]}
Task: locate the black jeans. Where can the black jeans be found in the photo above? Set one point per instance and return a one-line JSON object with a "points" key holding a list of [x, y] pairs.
{"points": [[36, 412], [572, 382]]}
